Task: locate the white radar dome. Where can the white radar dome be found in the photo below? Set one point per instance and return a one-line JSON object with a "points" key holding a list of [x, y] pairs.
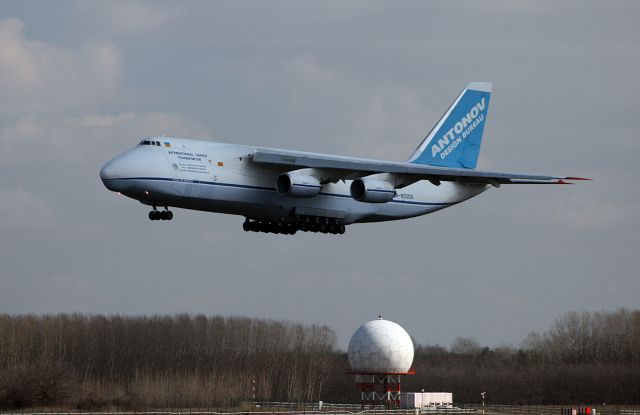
{"points": [[380, 346]]}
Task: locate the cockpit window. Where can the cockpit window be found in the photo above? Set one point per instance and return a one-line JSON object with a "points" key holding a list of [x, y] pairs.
{"points": [[150, 143]]}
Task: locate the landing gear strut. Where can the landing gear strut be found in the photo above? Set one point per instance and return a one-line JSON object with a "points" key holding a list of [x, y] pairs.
{"points": [[166, 214]]}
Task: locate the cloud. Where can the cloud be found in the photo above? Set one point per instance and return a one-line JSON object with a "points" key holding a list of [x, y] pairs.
{"points": [[67, 289], [581, 211], [309, 81], [18, 66], [102, 120], [89, 138], [389, 125], [39, 77], [128, 18], [21, 208], [14, 136], [305, 69], [56, 292]]}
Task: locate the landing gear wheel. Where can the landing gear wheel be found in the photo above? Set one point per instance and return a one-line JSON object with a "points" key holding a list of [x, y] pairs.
{"points": [[246, 226], [341, 229], [166, 214]]}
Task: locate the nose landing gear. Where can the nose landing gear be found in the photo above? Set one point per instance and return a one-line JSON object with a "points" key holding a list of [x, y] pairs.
{"points": [[155, 214]]}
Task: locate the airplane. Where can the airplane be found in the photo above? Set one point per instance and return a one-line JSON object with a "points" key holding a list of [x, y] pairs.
{"points": [[285, 191]]}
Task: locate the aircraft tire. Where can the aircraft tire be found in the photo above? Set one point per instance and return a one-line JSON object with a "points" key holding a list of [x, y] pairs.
{"points": [[246, 226], [151, 215], [341, 229], [169, 215]]}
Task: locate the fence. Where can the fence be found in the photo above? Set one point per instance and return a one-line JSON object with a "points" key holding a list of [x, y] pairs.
{"points": [[552, 409], [289, 408]]}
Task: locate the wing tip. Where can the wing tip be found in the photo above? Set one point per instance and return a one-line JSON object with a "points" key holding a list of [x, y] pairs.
{"points": [[576, 178]]}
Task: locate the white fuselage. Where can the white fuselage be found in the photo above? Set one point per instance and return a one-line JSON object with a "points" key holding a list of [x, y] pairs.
{"points": [[216, 177]]}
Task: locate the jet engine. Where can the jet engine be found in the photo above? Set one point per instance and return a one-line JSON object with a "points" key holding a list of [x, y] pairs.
{"points": [[372, 190], [297, 185]]}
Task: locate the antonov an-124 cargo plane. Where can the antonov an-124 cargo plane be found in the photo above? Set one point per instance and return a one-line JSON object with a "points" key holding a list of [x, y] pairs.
{"points": [[283, 191]]}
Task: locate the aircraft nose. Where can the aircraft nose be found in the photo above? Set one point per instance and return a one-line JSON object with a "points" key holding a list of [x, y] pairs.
{"points": [[123, 172], [112, 171], [107, 172]]}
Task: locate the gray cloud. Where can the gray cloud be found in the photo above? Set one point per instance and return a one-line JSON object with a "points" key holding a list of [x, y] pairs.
{"points": [[39, 77], [21, 208]]}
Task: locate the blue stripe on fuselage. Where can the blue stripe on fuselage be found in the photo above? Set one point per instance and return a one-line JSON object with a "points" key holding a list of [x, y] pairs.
{"points": [[273, 189]]}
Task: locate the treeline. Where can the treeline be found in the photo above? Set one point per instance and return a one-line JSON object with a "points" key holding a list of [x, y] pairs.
{"points": [[584, 358], [179, 361], [93, 361], [589, 337]]}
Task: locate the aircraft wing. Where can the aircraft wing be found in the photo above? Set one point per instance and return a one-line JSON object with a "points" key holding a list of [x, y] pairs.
{"points": [[340, 168]]}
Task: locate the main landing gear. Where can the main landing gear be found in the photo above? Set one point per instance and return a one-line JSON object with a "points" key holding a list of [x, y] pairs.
{"points": [[165, 214], [322, 225], [270, 227], [304, 224]]}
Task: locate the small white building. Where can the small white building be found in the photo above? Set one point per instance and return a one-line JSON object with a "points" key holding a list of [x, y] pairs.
{"points": [[419, 400]]}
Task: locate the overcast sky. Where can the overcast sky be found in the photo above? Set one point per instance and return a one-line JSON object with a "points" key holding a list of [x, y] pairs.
{"points": [[83, 81]]}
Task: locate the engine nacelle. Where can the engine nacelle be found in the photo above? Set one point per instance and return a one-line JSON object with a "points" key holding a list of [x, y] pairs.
{"points": [[372, 191], [297, 185]]}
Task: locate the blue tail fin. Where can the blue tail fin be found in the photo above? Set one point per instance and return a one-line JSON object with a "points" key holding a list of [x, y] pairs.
{"points": [[455, 139]]}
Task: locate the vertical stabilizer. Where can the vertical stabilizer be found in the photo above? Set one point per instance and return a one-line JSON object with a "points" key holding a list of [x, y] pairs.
{"points": [[455, 140]]}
